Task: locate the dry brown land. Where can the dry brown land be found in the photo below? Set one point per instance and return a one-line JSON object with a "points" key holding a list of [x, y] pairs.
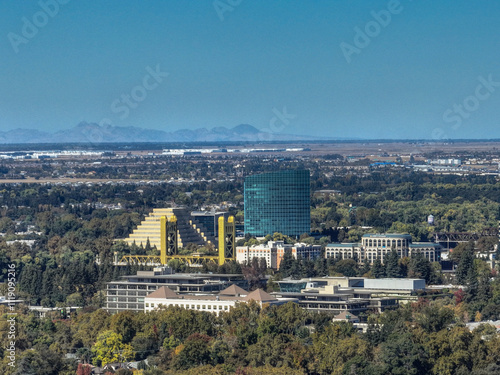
{"points": [[403, 148], [30, 180]]}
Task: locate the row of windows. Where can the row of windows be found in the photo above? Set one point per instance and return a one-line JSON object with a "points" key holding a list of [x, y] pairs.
{"points": [[126, 293], [382, 242], [330, 306], [191, 306], [124, 306], [129, 286], [372, 256], [125, 299]]}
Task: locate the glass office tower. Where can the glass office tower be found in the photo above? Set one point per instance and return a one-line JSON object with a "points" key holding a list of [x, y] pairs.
{"points": [[278, 202]]}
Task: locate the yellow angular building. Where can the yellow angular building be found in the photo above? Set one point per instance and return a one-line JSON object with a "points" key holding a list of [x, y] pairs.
{"points": [[189, 230]]}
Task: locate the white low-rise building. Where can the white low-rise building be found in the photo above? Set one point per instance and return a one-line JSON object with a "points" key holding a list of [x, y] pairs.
{"points": [[375, 246], [224, 301]]}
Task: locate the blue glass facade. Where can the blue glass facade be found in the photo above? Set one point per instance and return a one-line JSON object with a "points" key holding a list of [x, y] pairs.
{"points": [[278, 202]]}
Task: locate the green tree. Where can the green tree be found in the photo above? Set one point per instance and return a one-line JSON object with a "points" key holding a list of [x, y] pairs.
{"points": [[194, 352], [449, 350], [109, 347], [144, 345], [378, 270], [346, 267], [392, 267], [286, 263], [419, 267], [465, 263], [43, 362], [124, 324], [336, 346], [402, 355]]}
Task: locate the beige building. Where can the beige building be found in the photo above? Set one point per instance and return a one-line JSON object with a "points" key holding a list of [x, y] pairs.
{"points": [[375, 246], [274, 251], [223, 301]]}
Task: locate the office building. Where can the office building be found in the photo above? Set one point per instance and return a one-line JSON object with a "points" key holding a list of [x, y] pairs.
{"points": [[209, 220], [352, 295], [375, 246], [328, 297], [274, 251], [129, 292], [223, 301], [277, 202]]}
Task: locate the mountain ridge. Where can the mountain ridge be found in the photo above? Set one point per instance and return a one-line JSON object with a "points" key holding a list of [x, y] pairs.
{"points": [[85, 132]]}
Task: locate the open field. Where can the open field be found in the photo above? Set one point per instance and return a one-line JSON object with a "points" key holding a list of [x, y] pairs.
{"points": [[66, 180]]}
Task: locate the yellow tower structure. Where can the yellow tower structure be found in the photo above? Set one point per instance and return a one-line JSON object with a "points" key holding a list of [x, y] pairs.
{"points": [[227, 236], [169, 248], [169, 243]]}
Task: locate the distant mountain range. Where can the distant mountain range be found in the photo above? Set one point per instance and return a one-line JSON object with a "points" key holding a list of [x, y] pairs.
{"points": [[94, 133]]}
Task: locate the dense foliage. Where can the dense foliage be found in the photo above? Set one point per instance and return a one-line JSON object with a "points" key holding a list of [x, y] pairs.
{"points": [[423, 337], [73, 227]]}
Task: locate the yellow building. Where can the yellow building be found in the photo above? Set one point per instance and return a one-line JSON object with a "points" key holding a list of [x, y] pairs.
{"points": [[189, 230]]}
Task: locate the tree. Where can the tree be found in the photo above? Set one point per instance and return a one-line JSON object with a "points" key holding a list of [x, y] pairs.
{"points": [[285, 319], [320, 266], [83, 369], [337, 345], [378, 269], [346, 267], [402, 355], [286, 263], [420, 267], [450, 350], [433, 318], [74, 299], [124, 324], [84, 355], [144, 345], [392, 268], [43, 362], [194, 352], [109, 347], [254, 271], [465, 263], [242, 323]]}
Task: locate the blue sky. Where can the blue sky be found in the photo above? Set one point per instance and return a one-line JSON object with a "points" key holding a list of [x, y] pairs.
{"points": [[355, 69]]}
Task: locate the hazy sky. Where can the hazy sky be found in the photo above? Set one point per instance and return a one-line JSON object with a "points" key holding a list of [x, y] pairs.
{"points": [[344, 68]]}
